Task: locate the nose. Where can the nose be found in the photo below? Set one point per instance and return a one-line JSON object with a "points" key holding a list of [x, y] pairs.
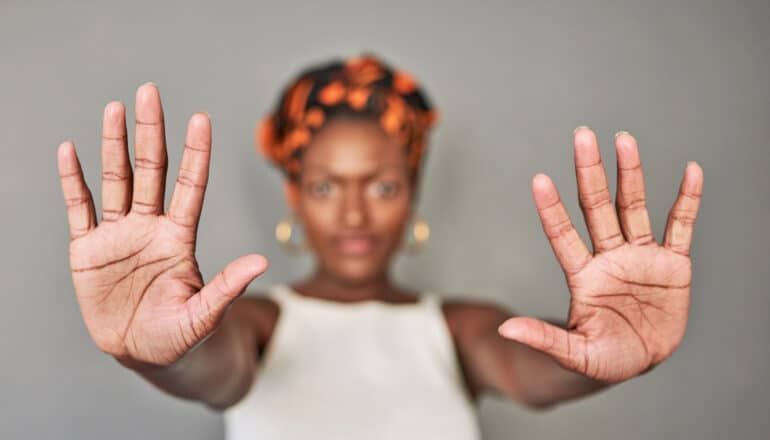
{"points": [[354, 209]]}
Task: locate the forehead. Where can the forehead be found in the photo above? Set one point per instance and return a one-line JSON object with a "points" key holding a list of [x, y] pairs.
{"points": [[353, 147]]}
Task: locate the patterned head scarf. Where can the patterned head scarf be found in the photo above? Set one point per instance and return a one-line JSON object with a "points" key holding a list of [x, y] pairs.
{"points": [[361, 86]]}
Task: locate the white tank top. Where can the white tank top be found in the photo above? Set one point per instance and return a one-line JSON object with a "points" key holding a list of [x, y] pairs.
{"points": [[364, 370]]}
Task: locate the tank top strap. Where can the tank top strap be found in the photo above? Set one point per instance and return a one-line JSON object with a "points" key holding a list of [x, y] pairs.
{"points": [[438, 328], [279, 293], [430, 300]]}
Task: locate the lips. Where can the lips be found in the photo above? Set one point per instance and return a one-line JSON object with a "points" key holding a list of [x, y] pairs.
{"points": [[354, 244]]}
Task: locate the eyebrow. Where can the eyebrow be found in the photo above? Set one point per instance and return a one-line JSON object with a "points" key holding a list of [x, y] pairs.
{"points": [[374, 171]]}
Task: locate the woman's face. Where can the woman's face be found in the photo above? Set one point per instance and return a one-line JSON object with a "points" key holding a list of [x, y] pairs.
{"points": [[353, 198]]}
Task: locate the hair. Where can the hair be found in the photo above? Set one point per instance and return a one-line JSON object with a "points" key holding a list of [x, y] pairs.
{"points": [[362, 86]]}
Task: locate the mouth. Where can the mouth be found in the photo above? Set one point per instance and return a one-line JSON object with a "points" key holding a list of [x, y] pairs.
{"points": [[354, 244]]}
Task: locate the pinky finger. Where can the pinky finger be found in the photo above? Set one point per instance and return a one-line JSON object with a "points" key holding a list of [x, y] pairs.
{"points": [[77, 197], [681, 218]]}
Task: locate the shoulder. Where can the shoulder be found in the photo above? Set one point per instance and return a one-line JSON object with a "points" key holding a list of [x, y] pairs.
{"points": [[258, 314]]}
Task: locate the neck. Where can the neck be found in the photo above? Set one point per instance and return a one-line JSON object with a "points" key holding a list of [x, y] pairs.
{"points": [[325, 285]]}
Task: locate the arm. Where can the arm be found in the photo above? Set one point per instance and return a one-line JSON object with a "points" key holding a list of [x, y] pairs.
{"points": [[505, 367], [629, 298], [136, 277]]}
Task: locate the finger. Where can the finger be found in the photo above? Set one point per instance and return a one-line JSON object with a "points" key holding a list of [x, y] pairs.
{"points": [[116, 168], [569, 248], [80, 206], [594, 193], [151, 160], [631, 200], [207, 307], [681, 218], [566, 348], [187, 201]]}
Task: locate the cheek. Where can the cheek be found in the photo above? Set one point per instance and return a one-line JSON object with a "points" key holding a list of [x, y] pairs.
{"points": [[390, 216], [317, 217]]}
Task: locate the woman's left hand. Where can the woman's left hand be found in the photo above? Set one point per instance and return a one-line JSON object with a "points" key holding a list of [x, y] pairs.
{"points": [[630, 299]]}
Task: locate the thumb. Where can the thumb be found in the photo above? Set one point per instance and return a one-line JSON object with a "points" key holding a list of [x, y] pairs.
{"points": [[568, 349], [207, 307]]}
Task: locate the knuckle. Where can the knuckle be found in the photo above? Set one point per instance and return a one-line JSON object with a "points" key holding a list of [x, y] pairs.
{"points": [[114, 176], [636, 167], [111, 215], [143, 208], [551, 207], [684, 217], [65, 176], [680, 248], [190, 178], [559, 229], [632, 201], [610, 239], [183, 221], [144, 163], [642, 239], [222, 284], [589, 167], [595, 200], [158, 123], [692, 195], [202, 149], [73, 202]]}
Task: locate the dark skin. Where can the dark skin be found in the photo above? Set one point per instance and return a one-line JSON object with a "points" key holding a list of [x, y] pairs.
{"points": [[145, 303]]}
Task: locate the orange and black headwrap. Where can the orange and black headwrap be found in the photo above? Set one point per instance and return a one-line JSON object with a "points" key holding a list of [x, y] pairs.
{"points": [[363, 86]]}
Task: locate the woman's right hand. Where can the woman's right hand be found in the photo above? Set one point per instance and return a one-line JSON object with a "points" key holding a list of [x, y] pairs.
{"points": [[135, 274]]}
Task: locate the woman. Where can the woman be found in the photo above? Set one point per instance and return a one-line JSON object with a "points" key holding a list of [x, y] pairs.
{"points": [[346, 352]]}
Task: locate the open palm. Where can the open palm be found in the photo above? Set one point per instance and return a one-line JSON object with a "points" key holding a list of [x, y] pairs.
{"points": [[135, 274], [630, 298]]}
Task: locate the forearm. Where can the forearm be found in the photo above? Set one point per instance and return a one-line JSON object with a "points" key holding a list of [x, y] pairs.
{"points": [[506, 367], [217, 372]]}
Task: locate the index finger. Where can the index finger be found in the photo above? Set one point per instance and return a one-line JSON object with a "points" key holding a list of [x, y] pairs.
{"points": [[569, 248], [681, 218]]}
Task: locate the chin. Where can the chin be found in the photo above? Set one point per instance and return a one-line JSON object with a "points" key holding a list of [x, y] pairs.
{"points": [[358, 271]]}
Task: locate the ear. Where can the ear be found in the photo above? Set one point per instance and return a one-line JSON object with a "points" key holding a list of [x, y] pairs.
{"points": [[291, 192]]}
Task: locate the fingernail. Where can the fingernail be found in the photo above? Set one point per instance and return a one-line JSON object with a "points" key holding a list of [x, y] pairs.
{"points": [[621, 132], [579, 127], [150, 83]]}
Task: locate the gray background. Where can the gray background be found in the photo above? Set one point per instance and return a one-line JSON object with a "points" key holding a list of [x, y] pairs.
{"points": [[512, 79]]}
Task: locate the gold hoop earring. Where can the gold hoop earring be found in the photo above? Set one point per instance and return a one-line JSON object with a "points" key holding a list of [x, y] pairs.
{"points": [[283, 234], [419, 233]]}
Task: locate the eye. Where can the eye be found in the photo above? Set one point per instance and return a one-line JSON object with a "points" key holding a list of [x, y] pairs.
{"points": [[384, 189], [321, 189]]}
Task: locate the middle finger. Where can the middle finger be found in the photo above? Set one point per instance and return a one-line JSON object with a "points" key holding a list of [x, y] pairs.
{"points": [[594, 193], [151, 158]]}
